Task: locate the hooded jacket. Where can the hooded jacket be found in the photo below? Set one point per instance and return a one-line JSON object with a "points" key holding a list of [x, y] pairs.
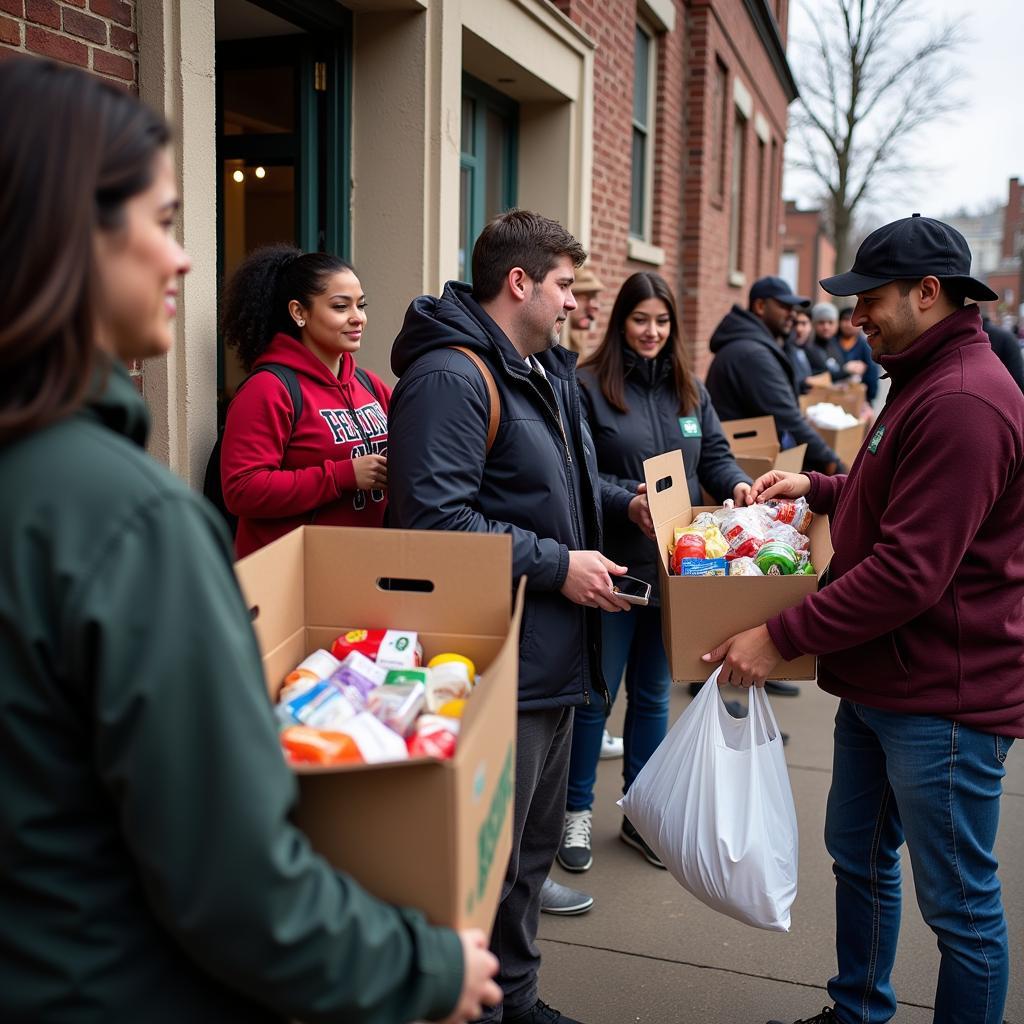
{"points": [[653, 424], [148, 869], [924, 613], [538, 484], [277, 474], [751, 375]]}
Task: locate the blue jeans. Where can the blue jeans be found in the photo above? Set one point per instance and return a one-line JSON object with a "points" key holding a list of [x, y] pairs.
{"points": [[631, 641], [936, 784]]}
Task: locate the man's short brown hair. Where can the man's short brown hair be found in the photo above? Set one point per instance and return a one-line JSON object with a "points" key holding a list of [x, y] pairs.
{"points": [[520, 238]]}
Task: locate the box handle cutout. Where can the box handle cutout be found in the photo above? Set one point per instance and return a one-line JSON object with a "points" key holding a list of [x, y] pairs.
{"points": [[663, 484], [409, 586], [254, 613], [741, 434]]}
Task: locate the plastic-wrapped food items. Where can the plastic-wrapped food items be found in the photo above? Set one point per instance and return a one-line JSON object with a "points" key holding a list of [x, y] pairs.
{"points": [[796, 513], [785, 533], [744, 567], [777, 559]]}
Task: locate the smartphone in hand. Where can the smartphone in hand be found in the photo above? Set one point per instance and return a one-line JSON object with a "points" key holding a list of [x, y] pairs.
{"points": [[631, 589]]}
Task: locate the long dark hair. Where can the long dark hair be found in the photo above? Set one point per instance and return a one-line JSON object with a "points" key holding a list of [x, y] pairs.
{"points": [[607, 360], [257, 296], [73, 150]]}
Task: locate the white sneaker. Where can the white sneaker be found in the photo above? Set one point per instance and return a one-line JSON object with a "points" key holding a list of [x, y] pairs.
{"points": [[574, 854], [611, 746]]}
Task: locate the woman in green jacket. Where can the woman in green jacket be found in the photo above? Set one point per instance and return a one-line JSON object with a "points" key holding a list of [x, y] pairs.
{"points": [[148, 870]]}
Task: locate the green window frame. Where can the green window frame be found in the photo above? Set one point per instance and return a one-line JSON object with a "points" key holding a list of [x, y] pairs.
{"points": [[488, 181]]}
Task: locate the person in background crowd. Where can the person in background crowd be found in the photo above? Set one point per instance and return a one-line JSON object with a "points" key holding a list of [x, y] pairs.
{"points": [[577, 335], [797, 348], [148, 868], [751, 375], [920, 631], [641, 399], [856, 350], [1007, 348], [305, 312], [828, 355], [536, 481]]}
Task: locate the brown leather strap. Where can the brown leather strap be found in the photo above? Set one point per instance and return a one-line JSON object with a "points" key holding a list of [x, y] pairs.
{"points": [[492, 392]]}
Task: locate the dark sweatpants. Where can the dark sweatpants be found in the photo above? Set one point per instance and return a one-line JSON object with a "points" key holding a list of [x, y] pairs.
{"points": [[543, 740]]}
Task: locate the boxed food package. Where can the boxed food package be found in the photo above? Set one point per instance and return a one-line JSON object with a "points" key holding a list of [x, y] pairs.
{"points": [[428, 833], [699, 612], [755, 446]]}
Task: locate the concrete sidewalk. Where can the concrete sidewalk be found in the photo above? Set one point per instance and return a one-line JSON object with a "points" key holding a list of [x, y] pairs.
{"points": [[649, 953]]}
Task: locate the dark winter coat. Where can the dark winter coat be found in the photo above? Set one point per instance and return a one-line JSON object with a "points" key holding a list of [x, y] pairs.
{"points": [[148, 870], [751, 375], [654, 425], [924, 613], [1007, 348], [539, 483]]}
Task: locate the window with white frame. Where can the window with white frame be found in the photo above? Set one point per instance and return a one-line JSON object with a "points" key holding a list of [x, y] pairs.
{"points": [[739, 147], [642, 184]]}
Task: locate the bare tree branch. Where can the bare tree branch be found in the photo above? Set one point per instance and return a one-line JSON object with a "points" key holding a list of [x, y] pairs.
{"points": [[871, 76]]}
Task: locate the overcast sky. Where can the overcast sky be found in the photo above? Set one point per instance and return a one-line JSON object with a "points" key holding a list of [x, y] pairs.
{"points": [[973, 153]]}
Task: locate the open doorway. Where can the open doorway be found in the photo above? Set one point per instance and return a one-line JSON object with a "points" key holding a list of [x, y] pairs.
{"points": [[283, 74]]}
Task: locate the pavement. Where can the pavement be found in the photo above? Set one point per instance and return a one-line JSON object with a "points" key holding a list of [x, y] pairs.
{"points": [[650, 953]]}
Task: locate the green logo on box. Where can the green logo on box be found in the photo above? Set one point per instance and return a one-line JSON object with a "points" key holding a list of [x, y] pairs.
{"points": [[490, 830]]}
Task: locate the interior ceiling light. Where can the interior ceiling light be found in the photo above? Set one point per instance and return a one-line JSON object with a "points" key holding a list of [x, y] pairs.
{"points": [[239, 176]]}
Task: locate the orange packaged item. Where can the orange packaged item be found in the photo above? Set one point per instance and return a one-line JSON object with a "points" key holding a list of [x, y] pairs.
{"points": [[303, 745]]}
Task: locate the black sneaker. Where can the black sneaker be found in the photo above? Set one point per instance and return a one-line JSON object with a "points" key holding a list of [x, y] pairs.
{"points": [[574, 854], [781, 689], [540, 1013], [827, 1016], [556, 898], [631, 837]]}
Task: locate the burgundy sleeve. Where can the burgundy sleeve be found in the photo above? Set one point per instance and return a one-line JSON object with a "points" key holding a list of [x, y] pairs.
{"points": [[929, 522]]}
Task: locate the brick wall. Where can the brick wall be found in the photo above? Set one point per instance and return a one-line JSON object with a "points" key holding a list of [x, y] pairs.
{"points": [[97, 35], [689, 223], [1013, 219]]}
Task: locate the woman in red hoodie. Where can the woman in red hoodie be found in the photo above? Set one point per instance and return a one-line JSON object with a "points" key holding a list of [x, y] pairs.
{"points": [[304, 313]]}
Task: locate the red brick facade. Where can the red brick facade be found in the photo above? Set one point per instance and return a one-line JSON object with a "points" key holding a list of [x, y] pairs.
{"points": [[713, 44], [805, 243], [98, 35]]}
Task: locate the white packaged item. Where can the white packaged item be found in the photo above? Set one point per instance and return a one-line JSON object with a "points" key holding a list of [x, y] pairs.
{"points": [[399, 649], [715, 804], [376, 742], [322, 706], [830, 416], [448, 681], [319, 665]]}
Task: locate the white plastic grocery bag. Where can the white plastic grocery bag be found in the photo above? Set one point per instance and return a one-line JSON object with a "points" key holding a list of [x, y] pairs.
{"points": [[715, 804]]}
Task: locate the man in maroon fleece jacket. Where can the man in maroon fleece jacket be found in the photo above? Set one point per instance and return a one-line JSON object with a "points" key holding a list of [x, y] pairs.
{"points": [[920, 630]]}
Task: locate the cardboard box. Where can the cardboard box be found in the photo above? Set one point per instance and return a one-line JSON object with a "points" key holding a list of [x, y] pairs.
{"points": [[429, 834], [755, 445], [699, 612], [844, 441], [849, 397]]}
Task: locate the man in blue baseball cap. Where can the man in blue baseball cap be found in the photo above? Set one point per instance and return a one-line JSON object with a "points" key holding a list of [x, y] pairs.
{"points": [[920, 631]]}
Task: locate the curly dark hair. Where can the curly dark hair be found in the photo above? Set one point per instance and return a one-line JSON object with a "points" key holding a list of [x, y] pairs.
{"points": [[257, 296]]}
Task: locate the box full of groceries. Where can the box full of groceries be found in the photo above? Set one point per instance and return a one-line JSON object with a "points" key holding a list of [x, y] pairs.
{"points": [[724, 569], [392, 658], [755, 446], [849, 395]]}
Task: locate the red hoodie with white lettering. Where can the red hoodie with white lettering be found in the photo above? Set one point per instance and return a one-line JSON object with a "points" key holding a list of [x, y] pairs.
{"points": [[277, 474]]}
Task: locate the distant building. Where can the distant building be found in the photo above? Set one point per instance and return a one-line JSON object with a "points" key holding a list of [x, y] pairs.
{"points": [[984, 234], [1006, 278], [808, 254]]}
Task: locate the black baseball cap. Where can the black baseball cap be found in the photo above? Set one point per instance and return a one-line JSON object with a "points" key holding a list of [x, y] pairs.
{"points": [[906, 250], [776, 288]]}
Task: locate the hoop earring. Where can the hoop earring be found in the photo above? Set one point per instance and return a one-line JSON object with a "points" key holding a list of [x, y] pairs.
{"points": [[300, 323]]}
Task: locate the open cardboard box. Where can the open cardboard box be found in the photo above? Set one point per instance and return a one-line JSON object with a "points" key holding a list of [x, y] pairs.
{"points": [[698, 612], [850, 397], [755, 446], [429, 834]]}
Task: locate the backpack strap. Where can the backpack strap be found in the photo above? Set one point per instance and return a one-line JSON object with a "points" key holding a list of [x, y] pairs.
{"points": [[367, 381], [492, 393], [288, 377]]}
